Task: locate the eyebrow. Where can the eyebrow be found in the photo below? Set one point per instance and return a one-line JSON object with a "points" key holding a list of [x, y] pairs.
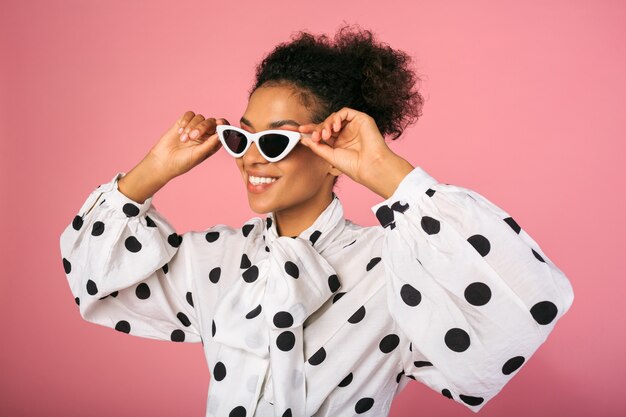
{"points": [[272, 125]]}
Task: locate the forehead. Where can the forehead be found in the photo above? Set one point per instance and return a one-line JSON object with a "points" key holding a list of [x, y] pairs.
{"points": [[274, 107]]}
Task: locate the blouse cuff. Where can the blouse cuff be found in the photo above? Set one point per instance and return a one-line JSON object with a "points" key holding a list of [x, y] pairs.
{"points": [[412, 185], [121, 203]]}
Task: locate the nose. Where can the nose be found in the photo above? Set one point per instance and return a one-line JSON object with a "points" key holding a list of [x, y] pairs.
{"points": [[253, 155]]}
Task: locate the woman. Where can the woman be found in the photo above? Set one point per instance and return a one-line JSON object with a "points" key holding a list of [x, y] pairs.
{"points": [[304, 312]]}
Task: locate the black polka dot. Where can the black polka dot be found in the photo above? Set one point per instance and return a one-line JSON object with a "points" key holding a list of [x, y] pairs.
{"points": [[123, 326], [142, 291], [67, 266], [268, 222], [97, 229], [410, 295], [219, 371], [245, 262], [372, 263], [399, 376], [114, 294], [77, 223], [512, 365], [214, 275], [544, 312], [292, 269], [513, 224], [212, 236], [457, 339], [480, 243], [363, 405], [346, 381], [384, 214], [537, 256], [251, 274], [287, 413], [150, 222], [389, 343], [337, 296], [419, 364], [183, 319], [189, 298], [477, 293], [283, 319], [165, 268], [177, 336], [175, 239], [333, 283], [430, 225], [410, 346], [399, 207], [246, 229], [357, 316], [130, 210], [267, 249], [254, 312], [430, 192], [314, 236], [212, 327], [92, 288], [77, 300], [318, 357], [238, 411], [132, 244], [468, 399], [446, 393], [285, 341]]}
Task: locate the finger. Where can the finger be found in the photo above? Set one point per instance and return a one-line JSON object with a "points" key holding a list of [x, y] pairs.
{"points": [[205, 127], [185, 118], [307, 127], [209, 146], [328, 125], [320, 148], [191, 125]]}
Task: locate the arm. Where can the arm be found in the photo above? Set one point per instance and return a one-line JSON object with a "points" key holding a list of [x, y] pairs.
{"points": [[120, 260], [472, 291]]}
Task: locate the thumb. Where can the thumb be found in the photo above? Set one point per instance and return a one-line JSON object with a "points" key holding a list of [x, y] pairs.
{"points": [[319, 148], [211, 145]]}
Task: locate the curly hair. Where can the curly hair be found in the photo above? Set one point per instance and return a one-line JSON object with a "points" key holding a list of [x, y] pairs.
{"points": [[352, 70]]}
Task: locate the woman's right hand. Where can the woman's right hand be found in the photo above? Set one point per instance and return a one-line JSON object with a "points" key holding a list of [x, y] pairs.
{"points": [[176, 153]]}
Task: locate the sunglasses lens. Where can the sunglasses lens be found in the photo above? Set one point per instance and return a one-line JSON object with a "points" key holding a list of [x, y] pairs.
{"points": [[235, 141], [273, 144]]}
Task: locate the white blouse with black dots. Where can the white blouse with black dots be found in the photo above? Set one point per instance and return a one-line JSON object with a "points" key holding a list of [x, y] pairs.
{"points": [[448, 290]]}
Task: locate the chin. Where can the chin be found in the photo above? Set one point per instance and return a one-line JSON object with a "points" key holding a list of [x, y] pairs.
{"points": [[259, 208]]}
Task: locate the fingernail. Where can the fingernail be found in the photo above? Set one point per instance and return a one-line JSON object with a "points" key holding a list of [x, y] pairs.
{"points": [[194, 134], [183, 137], [180, 130]]}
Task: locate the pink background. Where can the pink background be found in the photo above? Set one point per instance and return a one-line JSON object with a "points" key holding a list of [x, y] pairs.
{"points": [[525, 105]]}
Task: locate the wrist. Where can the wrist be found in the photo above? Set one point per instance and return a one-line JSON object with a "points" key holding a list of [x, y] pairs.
{"points": [[386, 173]]}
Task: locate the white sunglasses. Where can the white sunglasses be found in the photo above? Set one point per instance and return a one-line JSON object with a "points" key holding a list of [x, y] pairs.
{"points": [[274, 145]]}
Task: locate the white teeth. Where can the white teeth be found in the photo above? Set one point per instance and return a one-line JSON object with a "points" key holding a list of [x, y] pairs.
{"points": [[260, 180]]}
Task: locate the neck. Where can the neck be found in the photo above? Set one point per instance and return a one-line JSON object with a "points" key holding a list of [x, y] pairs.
{"points": [[294, 220]]}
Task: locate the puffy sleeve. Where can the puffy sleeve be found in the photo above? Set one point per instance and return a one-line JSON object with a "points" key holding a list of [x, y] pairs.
{"points": [[116, 255], [473, 293]]}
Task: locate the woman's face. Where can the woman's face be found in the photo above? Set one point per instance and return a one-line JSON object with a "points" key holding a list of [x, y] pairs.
{"points": [[303, 177]]}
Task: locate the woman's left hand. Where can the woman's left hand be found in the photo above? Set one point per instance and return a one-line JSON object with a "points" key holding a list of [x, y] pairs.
{"points": [[349, 140]]}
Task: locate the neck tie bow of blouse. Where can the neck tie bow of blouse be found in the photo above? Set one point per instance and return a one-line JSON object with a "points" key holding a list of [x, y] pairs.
{"points": [[259, 320]]}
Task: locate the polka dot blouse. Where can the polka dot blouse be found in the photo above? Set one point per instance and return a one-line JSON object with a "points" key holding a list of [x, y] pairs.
{"points": [[448, 290]]}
